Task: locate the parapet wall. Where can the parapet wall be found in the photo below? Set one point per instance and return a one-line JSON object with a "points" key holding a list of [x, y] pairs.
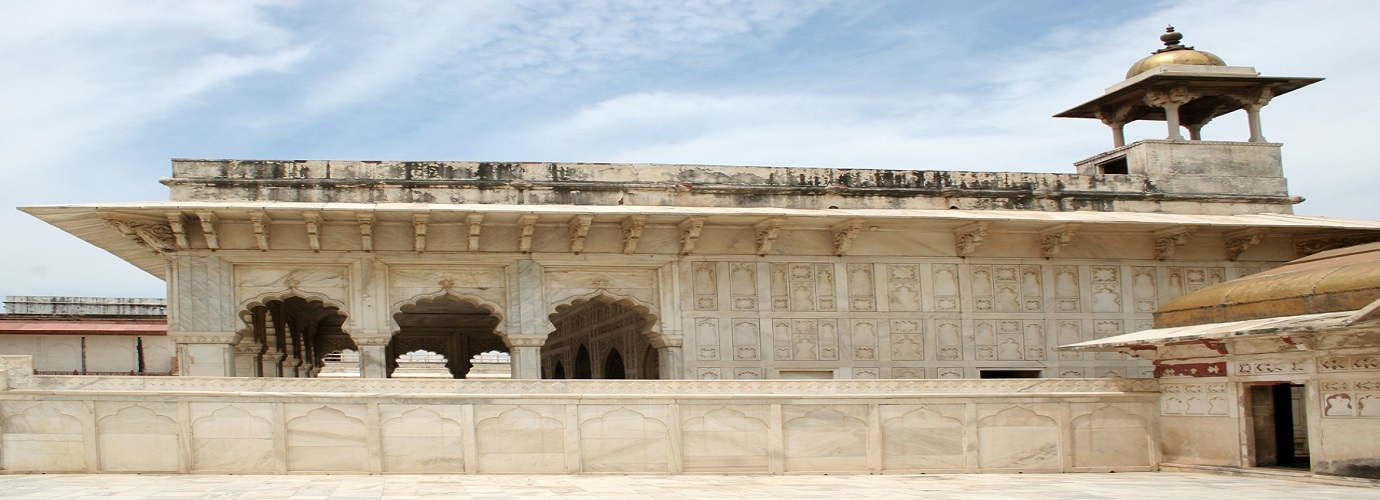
{"points": [[276, 426], [451, 182]]}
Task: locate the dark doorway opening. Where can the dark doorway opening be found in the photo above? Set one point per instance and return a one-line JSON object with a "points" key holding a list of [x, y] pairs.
{"points": [[1280, 425], [613, 365], [582, 368]]}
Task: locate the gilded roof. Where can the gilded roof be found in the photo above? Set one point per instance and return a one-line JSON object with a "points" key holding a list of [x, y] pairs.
{"points": [[1345, 279]]}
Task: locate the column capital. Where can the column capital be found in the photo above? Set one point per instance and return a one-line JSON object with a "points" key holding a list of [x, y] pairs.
{"points": [[371, 340], [524, 340]]}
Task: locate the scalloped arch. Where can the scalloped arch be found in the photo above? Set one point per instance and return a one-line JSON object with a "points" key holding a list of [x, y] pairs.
{"points": [[493, 309], [644, 311], [246, 307]]}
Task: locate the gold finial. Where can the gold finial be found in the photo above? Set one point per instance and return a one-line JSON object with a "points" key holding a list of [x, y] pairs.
{"points": [[1171, 40]]}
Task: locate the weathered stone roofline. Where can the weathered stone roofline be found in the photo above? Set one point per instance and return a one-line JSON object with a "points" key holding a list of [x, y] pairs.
{"points": [[539, 183]]}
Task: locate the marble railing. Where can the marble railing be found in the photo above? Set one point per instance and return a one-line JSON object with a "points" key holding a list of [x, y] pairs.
{"points": [[364, 426]]}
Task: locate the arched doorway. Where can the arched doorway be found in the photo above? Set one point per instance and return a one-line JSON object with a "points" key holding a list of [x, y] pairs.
{"points": [[592, 336], [651, 364], [452, 328], [613, 365], [290, 337], [582, 368], [559, 372]]}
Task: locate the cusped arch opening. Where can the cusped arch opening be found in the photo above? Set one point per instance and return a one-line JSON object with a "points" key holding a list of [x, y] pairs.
{"points": [[290, 335], [456, 328], [603, 336]]}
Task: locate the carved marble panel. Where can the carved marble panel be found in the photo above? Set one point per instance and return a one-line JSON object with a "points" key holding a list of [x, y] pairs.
{"points": [[704, 282], [903, 287], [631, 438], [1111, 436], [706, 338], [42, 436], [526, 438], [1106, 288], [1185, 280], [747, 340], [862, 287], [723, 439], [1144, 289], [137, 437], [949, 339], [863, 337], [425, 439], [925, 438], [1022, 437], [825, 438], [327, 438], [907, 339], [945, 289], [805, 339], [1068, 296], [232, 438], [742, 285]]}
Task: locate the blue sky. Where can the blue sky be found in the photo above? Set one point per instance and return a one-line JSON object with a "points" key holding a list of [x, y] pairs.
{"points": [[96, 97]]}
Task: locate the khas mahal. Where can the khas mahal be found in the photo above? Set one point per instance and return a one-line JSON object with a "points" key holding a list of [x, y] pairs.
{"points": [[690, 318]]}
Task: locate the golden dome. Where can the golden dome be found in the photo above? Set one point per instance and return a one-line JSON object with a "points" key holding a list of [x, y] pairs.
{"points": [[1345, 279], [1173, 53]]}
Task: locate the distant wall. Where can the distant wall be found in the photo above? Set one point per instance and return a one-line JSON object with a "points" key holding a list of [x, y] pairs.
{"points": [[371, 426], [84, 306]]}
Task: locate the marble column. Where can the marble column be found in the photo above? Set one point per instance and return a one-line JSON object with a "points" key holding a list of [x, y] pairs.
{"points": [[373, 356], [670, 358], [247, 359], [525, 352]]}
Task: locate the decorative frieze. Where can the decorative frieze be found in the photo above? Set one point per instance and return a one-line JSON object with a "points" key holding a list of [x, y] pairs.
{"points": [[1209, 400]]}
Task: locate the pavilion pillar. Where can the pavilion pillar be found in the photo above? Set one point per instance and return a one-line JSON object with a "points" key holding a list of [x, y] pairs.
{"points": [[525, 353], [1253, 119], [247, 359], [373, 356], [1170, 99], [670, 357], [205, 354]]}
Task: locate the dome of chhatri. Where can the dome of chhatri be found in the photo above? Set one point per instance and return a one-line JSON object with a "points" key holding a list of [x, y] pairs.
{"points": [[1173, 53]]}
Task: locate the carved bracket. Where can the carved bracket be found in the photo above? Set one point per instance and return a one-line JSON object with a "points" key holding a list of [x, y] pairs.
{"points": [[475, 223], [1256, 97], [210, 226], [419, 222], [313, 222], [157, 237], [261, 223], [1054, 239], [767, 231], [1311, 244], [528, 224], [366, 231], [632, 232], [1238, 241], [579, 229], [844, 234], [690, 233], [1169, 240], [969, 236], [1162, 97], [177, 224]]}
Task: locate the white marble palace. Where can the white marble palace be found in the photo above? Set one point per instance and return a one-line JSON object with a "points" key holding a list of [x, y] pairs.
{"points": [[736, 275]]}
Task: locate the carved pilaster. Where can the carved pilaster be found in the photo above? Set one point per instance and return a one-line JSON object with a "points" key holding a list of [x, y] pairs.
{"points": [[1238, 241], [968, 237], [475, 222], [528, 226], [210, 226], [579, 229], [261, 224], [844, 234], [1169, 240], [690, 233], [419, 222], [767, 231], [366, 231], [1054, 239], [313, 222], [177, 223], [632, 232]]}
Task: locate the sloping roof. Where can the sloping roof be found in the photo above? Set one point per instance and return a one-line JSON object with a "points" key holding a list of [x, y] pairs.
{"points": [[1345, 279], [1219, 331]]}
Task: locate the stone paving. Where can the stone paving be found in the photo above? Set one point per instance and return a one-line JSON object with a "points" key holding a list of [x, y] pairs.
{"points": [[1144, 485]]}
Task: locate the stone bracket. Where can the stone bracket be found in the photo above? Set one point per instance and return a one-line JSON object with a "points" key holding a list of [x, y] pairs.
{"points": [[1054, 239], [419, 222], [475, 223], [313, 223], [844, 234], [1238, 241], [969, 236], [632, 232], [1169, 240], [690, 233], [261, 223], [177, 223], [210, 225], [767, 231], [366, 230], [528, 224], [579, 229]]}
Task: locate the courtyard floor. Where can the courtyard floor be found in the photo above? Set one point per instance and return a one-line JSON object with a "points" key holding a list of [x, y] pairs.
{"points": [[1143, 485]]}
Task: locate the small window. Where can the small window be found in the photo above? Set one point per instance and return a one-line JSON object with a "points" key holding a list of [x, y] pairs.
{"points": [[1113, 166], [1009, 373]]}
